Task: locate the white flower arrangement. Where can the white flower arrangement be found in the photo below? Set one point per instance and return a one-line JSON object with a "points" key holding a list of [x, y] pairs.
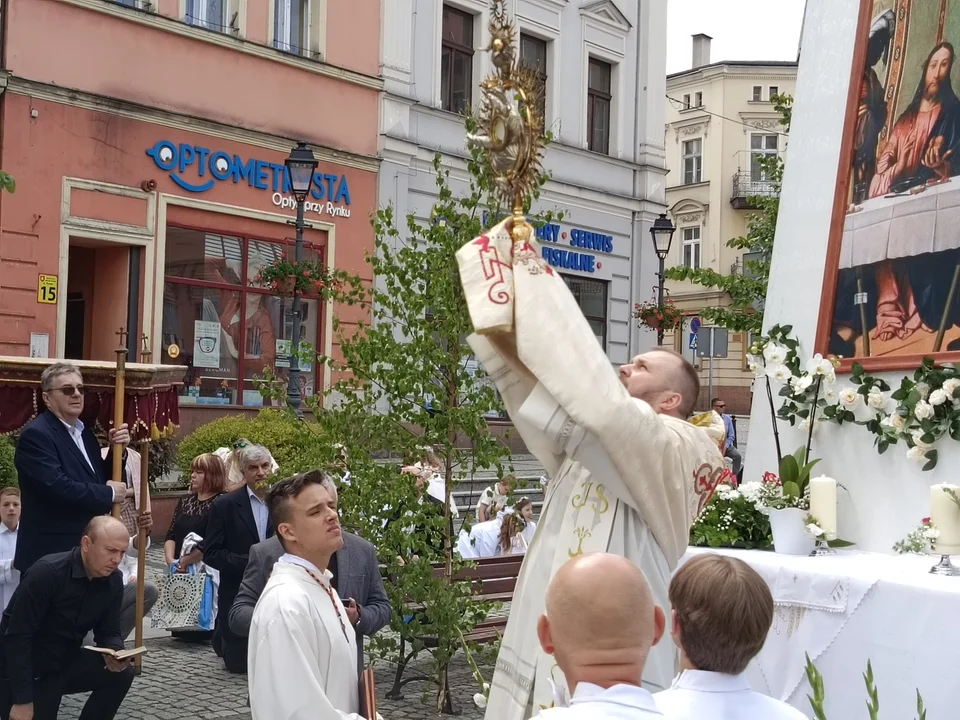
{"points": [[921, 540]]}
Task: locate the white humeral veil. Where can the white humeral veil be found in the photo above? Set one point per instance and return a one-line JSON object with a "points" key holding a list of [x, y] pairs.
{"points": [[624, 479]]}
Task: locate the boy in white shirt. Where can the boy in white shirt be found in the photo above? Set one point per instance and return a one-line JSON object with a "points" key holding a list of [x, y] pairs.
{"points": [[10, 517], [722, 612]]}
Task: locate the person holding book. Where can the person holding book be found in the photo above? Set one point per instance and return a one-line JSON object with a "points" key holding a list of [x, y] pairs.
{"points": [[62, 597]]}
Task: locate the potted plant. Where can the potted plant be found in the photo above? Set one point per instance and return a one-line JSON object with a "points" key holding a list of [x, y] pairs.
{"points": [[653, 317], [786, 499], [734, 517], [284, 276]]}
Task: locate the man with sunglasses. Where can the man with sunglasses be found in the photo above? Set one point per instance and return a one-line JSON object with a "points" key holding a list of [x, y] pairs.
{"points": [[730, 444], [64, 482]]}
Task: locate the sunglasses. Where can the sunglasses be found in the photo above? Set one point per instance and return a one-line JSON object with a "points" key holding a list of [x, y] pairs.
{"points": [[70, 390], [239, 445]]}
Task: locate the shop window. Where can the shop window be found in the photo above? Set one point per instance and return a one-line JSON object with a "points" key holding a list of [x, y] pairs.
{"points": [[533, 54], [591, 296], [456, 60], [291, 26], [225, 328], [598, 105]]}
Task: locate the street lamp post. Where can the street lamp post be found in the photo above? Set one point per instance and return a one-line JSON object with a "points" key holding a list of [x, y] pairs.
{"points": [[662, 233], [300, 168]]}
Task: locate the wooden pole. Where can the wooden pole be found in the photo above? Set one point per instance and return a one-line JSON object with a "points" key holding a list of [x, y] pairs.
{"points": [[141, 531], [118, 402], [951, 295]]}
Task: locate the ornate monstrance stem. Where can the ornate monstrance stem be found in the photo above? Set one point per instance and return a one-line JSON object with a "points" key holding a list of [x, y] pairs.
{"points": [[511, 126]]}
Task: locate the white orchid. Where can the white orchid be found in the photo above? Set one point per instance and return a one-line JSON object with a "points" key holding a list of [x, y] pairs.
{"points": [[876, 399], [774, 353], [819, 365], [755, 363], [830, 393], [923, 410], [800, 384], [917, 454], [778, 371], [938, 397], [849, 398]]}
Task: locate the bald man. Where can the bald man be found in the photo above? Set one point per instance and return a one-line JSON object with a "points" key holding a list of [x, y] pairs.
{"points": [[63, 597], [629, 473], [600, 625]]}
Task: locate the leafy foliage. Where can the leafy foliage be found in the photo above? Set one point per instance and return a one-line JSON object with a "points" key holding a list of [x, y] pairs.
{"points": [[406, 379], [8, 472], [7, 182], [747, 291], [873, 696], [732, 518]]}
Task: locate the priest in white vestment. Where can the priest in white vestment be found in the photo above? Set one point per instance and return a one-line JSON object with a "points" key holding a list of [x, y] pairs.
{"points": [[628, 472], [599, 626], [302, 654]]}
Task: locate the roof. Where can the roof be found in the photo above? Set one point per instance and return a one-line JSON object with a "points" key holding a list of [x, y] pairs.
{"points": [[740, 63]]}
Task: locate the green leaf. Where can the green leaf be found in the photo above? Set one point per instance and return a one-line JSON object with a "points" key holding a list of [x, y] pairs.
{"points": [[838, 543], [856, 370], [931, 463], [791, 489], [789, 470], [882, 446]]}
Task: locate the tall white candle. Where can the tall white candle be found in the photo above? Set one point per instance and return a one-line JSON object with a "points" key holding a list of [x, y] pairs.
{"points": [[945, 514], [823, 504]]}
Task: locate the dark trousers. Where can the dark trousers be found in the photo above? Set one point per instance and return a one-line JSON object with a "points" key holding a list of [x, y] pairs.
{"points": [[87, 673], [230, 647]]}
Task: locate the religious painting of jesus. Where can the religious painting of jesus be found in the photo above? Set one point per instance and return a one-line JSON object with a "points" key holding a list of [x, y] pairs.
{"points": [[892, 282]]}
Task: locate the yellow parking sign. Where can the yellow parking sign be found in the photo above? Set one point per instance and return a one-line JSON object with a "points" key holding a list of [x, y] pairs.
{"points": [[47, 289]]}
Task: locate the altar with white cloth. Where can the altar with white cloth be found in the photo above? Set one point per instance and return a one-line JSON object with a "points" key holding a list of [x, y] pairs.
{"points": [[852, 607]]}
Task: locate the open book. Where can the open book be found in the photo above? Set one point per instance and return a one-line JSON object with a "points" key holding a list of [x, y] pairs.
{"points": [[117, 654]]}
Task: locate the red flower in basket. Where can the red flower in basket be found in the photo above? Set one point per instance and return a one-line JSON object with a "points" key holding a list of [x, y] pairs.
{"points": [[772, 478]]}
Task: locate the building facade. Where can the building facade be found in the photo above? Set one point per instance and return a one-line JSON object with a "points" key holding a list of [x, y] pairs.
{"points": [[720, 123], [603, 67], [148, 152]]}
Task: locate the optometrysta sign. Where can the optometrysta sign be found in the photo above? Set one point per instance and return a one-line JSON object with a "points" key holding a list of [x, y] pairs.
{"points": [[198, 169]]}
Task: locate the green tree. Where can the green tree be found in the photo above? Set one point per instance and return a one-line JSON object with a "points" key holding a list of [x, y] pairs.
{"points": [[406, 380], [7, 182], [747, 290]]}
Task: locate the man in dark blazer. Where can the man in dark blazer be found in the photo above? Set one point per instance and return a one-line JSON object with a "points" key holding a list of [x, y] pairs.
{"points": [[356, 578], [237, 521], [64, 482]]}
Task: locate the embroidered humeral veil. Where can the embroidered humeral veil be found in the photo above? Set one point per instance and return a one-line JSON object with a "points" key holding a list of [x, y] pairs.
{"points": [[625, 480]]}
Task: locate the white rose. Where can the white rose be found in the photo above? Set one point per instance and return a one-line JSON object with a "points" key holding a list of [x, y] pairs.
{"points": [[897, 421], [930, 533], [814, 530], [923, 410], [480, 700], [917, 454], [923, 389], [849, 398], [830, 394], [938, 397], [774, 353], [876, 399], [799, 384], [950, 386], [917, 437]]}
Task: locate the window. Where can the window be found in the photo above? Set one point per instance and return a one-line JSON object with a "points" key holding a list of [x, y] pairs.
{"points": [[128, 3], [761, 146], [691, 247], [686, 101], [456, 60], [598, 106], [692, 161], [291, 26], [698, 98], [591, 296], [227, 328], [757, 93], [211, 14], [533, 53], [774, 90]]}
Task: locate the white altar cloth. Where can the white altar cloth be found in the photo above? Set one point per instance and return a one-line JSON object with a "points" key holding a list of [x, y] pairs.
{"points": [[852, 607]]}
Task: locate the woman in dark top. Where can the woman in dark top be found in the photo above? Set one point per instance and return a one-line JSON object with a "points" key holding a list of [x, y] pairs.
{"points": [[208, 478]]}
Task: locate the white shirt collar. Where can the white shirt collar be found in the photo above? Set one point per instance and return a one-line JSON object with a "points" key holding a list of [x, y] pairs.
{"points": [[289, 559], [4, 529], [630, 696], [76, 428], [704, 681], [253, 495]]}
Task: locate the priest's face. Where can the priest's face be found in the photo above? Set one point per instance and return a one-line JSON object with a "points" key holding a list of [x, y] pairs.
{"points": [[315, 521], [648, 378]]}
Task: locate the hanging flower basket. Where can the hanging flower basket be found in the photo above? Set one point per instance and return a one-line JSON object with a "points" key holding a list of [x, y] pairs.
{"points": [[284, 277], [653, 317]]}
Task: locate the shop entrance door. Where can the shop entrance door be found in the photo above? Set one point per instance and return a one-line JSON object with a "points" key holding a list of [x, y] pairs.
{"points": [[103, 295]]}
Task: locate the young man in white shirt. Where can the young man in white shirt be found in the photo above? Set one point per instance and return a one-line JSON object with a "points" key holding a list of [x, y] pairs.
{"points": [[722, 612], [10, 517], [494, 498], [599, 625], [302, 653]]}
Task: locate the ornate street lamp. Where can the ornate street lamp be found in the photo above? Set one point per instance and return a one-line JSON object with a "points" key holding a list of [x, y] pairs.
{"points": [[300, 168], [662, 232]]}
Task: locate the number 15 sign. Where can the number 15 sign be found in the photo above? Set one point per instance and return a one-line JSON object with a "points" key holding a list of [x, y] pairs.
{"points": [[47, 289]]}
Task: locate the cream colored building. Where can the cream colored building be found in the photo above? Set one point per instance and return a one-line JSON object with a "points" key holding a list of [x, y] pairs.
{"points": [[719, 122]]}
